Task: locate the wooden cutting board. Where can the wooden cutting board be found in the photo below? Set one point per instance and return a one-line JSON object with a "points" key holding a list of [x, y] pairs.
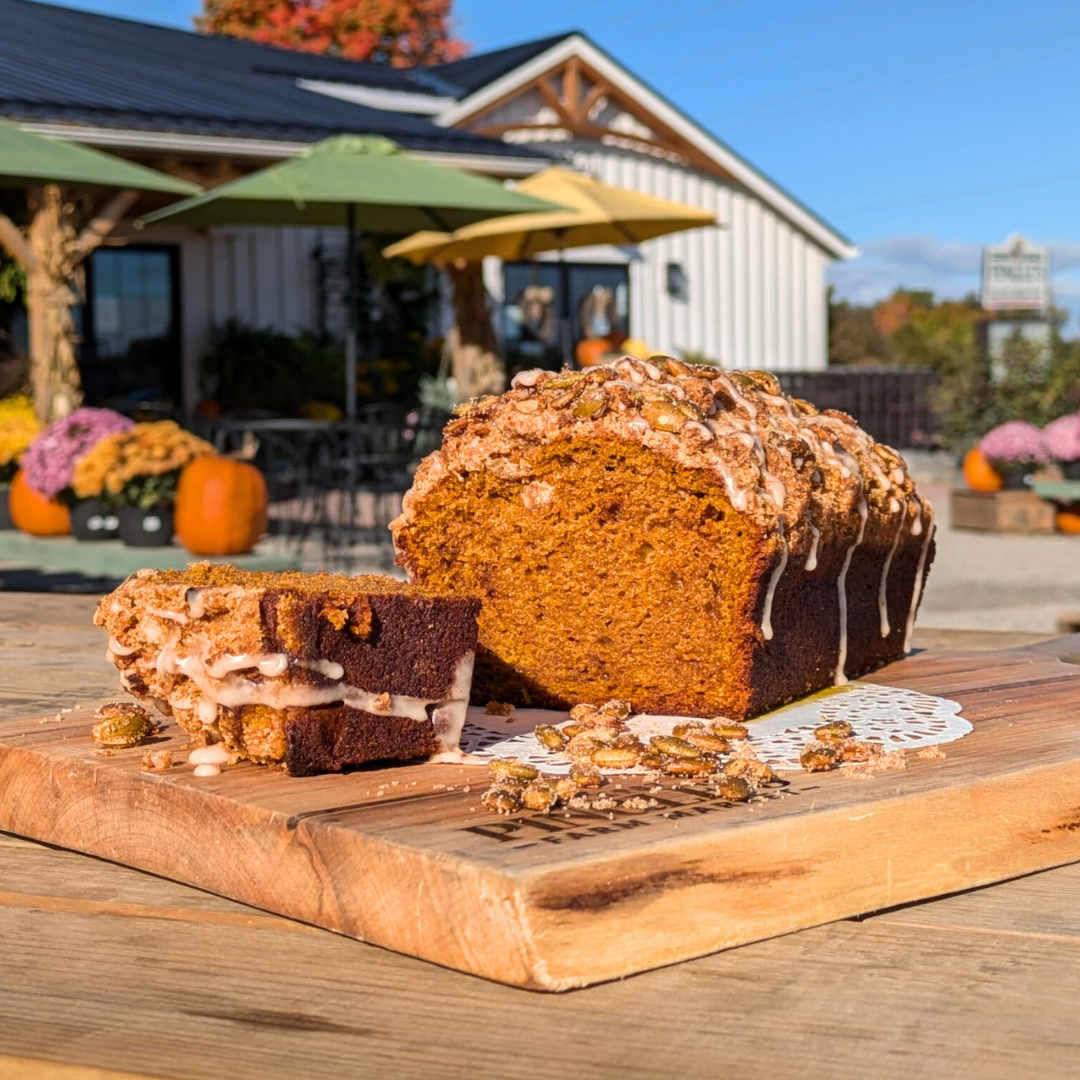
{"points": [[405, 857]]}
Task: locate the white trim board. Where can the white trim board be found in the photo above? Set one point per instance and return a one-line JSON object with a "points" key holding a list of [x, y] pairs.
{"points": [[268, 149], [575, 45], [390, 100]]}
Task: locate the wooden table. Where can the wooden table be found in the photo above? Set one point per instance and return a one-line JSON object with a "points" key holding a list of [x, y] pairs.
{"points": [[107, 972]]}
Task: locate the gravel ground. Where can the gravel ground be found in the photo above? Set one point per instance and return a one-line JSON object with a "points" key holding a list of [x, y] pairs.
{"points": [[998, 581]]}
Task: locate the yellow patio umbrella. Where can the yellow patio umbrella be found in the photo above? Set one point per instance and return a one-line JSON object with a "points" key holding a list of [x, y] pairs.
{"points": [[596, 213]]}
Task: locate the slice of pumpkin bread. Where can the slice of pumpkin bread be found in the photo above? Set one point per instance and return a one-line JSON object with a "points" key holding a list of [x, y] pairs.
{"points": [[314, 671]]}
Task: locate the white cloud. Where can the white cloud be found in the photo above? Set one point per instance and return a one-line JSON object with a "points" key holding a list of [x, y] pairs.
{"points": [[949, 269]]}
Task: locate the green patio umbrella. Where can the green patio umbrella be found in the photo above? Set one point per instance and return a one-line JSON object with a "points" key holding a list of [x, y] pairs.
{"points": [[27, 160], [51, 251], [362, 182]]}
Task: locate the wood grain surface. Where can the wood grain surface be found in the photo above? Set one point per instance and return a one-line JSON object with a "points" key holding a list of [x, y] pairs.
{"points": [[106, 971], [406, 857]]}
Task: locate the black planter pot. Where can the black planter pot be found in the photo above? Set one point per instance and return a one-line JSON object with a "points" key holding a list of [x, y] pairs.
{"points": [[91, 519], [1071, 470], [5, 510], [146, 528], [1019, 481]]}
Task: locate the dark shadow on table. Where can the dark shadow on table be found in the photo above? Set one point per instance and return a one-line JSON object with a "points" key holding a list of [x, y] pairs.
{"points": [[34, 580]]}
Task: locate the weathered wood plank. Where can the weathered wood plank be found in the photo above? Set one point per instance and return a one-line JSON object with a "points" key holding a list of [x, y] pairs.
{"points": [[561, 901]]}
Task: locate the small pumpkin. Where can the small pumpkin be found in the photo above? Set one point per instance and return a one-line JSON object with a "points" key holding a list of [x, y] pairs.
{"points": [[980, 474], [220, 506], [35, 513], [1068, 520], [590, 351]]}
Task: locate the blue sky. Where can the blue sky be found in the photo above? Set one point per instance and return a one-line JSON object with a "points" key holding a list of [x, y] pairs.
{"points": [[920, 130]]}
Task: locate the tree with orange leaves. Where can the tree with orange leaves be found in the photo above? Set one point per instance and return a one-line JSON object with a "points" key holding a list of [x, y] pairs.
{"points": [[401, 33]]}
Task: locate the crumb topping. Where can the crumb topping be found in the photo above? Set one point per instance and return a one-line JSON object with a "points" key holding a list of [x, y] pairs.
{"points": [[791, 467]]}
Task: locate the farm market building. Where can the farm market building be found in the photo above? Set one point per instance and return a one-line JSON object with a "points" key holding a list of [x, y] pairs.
{"points": [[750, 294]]}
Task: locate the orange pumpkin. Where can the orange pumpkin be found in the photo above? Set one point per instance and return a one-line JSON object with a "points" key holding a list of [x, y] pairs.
{"points": [[980, 474], [34, 513], [591, 351], [220, 506], [1068, 521]]}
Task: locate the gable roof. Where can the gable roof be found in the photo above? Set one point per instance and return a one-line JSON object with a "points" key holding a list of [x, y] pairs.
{"points": [[74, 67], [473, 72], [562, 48]]}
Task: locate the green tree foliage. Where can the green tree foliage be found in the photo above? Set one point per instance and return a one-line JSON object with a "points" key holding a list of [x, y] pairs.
{"points": [[1026, 380]]}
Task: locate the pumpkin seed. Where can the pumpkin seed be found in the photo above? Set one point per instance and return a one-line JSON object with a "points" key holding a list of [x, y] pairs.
{"points": [[512, 768], [673, 747]]}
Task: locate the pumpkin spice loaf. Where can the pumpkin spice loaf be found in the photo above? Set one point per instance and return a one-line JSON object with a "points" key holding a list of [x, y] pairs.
{"points": [[313, 671], [686, 538]]}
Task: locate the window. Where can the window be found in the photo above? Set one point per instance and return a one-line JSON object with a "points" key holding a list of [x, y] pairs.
{"points": [[131, 327], [599, 306]]}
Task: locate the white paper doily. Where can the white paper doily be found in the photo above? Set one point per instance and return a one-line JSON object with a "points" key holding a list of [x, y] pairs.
{"points": [[899, 719]]}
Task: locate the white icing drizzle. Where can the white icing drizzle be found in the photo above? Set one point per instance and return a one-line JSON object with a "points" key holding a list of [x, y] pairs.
{"points": [[208, 755], [916, 525], [196, 607], [841, 588], [811, 559], [627, 367], [171, 616], [766, 616], [916, 592], [207, 770], [652, 371], [527, 378], [776, 489], [882, 599], [119, 649], [698, 429], [328, 668], [219, 685], [738, 398]]}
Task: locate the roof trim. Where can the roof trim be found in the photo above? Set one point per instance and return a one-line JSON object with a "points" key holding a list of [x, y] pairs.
{"points": [[576, 44], [376, 98], [273, 149]]}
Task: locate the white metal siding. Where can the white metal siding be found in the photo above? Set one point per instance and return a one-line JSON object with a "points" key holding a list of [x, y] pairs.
{"points": [[756, 286], [264, 277]]}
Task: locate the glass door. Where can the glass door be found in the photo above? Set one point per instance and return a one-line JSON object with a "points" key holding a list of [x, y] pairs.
{"points": [[599, 306], [130, 355]]}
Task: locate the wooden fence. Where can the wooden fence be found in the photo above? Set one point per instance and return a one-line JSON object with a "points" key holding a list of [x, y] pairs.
{"points": [[891, 403]]}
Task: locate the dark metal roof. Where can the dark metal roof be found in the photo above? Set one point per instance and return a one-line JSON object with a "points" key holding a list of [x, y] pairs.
{"points": [[61, 65], [474, 72]]}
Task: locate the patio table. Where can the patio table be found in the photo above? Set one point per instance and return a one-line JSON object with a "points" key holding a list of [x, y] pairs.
{"points": [[107, 972]]}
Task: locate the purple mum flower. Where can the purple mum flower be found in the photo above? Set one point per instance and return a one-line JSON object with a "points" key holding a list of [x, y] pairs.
{"points": [[1014, 444], [1061, 437], [50, 460]]}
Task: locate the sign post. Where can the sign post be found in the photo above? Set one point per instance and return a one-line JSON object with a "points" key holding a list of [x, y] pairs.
{"points": [[1016, 283]]}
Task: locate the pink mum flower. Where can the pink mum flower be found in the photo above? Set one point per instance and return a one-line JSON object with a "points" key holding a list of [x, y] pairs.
{"points": [[1061, 437], [50, 461], [1014, 444]]}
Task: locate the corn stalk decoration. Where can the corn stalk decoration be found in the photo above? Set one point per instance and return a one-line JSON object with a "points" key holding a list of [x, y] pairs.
{"points": [[471, 344], [53, 252]]}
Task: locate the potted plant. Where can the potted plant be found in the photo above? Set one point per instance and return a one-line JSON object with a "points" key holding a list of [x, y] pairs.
{"points": [[1016, 450], [18, 429], [1061, 437], [49, 465], [136, 472]]}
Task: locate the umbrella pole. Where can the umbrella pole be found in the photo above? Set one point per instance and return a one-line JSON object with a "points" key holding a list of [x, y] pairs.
{"points": [[353, 319], [564, 310]]}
